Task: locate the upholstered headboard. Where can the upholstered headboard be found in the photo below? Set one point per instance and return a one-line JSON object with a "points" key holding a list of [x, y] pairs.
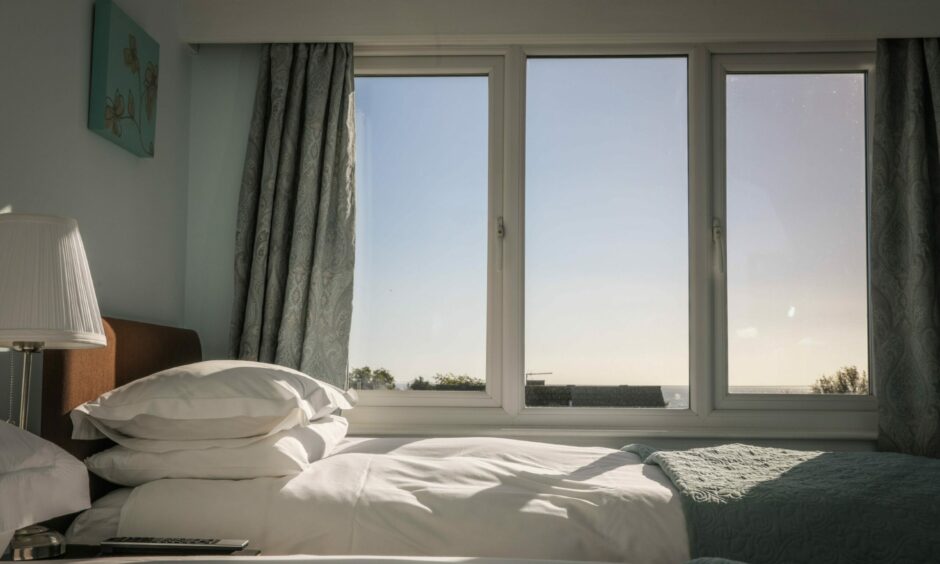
{"points": [[72, 377]]}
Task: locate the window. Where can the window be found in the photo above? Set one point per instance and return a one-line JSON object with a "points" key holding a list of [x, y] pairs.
{"points": [[422, 180], [796, 229], [606, 245], [612, 241]]}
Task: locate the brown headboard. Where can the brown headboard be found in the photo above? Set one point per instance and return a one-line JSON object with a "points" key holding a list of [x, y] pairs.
{"points": [[72, 377]]}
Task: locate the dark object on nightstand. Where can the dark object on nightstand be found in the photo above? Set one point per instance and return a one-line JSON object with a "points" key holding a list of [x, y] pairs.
{"points": [[73, 551]]}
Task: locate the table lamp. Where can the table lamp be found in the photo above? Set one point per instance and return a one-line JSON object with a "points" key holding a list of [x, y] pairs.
{"points": [[47, 301]]}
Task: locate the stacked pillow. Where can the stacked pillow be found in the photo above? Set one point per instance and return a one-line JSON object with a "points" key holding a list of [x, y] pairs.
{"points": [[220, 419]]}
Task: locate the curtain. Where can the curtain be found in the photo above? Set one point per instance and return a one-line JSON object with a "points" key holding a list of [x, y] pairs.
{"points": [[294, 244], [905, 245]]}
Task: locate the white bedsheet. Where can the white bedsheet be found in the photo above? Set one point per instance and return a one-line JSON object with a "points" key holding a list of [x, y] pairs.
{"points": [[474, 497]]}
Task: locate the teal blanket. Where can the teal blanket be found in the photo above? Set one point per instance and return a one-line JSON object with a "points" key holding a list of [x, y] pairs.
{"points": [[768, 505]]}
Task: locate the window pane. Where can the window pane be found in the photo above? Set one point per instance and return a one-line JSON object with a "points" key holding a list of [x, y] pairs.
{"points": [[606, 232], [419, 300], [796, 206]]}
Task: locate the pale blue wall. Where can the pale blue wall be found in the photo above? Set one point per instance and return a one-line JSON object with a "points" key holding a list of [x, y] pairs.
{"points": [[131, 211], [223, 92], [161, 246]]}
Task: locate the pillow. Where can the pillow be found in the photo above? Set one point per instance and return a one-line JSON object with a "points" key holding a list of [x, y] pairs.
{"points": [[38, 481], [218, 399], [101, 521], [282, 454]]}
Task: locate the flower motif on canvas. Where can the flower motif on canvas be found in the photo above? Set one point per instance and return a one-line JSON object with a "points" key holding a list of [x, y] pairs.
{"points": [[125, 68]]}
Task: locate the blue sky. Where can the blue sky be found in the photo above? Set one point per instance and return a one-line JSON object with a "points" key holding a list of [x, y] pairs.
{"points": [[796, 231], [419, 296], [606, 221], [606, 224]]}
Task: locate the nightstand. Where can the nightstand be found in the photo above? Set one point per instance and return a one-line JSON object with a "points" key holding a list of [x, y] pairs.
{"points": [[88, 551], [72, 551]]}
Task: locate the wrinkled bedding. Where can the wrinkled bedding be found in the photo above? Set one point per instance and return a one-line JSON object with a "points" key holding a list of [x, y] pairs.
{"points": [[468, 497]]}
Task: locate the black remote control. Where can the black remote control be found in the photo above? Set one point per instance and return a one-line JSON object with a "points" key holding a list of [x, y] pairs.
{"points": [[171, 545]]}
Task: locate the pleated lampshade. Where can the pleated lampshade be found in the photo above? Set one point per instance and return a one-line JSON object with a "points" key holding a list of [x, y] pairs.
{"points": [[46, 292]]}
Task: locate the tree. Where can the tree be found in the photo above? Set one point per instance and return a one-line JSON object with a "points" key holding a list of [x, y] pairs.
{"points": [[846, 381], [365, 378], [451, 381], [420, 383]]}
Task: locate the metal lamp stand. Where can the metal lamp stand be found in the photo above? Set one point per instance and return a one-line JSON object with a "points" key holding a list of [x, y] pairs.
{"points": [[34, 542]]}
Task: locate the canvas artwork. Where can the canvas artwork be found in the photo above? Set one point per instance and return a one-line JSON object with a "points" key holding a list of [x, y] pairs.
{"points": [[124, 72]]}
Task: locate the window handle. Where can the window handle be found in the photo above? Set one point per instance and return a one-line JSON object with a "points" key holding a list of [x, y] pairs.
{"points": [[718, 245], [501, 235]]}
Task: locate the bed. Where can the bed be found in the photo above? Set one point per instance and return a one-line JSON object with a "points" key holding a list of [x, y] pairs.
{"points": [[390, 497], [500, 500]]}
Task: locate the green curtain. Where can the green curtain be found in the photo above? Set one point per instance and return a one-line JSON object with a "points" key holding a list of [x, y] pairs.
{"points": [[905, 245], [294, 244]]}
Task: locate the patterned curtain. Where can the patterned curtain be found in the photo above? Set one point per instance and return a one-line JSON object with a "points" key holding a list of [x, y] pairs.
{"points": [[905, 245], [294, 245]]}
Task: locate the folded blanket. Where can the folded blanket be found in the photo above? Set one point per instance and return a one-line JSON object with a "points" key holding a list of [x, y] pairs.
{"points": [[769, 505]]}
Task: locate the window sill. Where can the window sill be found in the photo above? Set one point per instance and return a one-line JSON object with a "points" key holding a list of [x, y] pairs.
{"points": [[424, 398], [609, 423]]}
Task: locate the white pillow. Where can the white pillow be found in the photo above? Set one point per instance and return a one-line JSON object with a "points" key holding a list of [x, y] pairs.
{"points": [[282, 454], [38, 481], [218, 399], [101, 521]]}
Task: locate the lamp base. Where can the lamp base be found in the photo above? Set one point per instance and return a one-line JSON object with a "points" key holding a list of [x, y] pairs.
{"points": [[36, 543]]}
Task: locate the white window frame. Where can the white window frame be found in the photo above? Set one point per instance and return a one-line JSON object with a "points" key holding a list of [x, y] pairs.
{"points": [[711, 414], [722, 66], [492, 68]]}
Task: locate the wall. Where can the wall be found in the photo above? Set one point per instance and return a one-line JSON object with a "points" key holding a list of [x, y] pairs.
{"points": [[519, 21], [131, 211], [223, 93]]}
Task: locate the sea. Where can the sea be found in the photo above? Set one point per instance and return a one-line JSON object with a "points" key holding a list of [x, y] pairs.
{"points": [[677, 397]]}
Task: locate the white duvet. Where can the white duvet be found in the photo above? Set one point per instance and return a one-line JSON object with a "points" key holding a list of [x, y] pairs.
{"points": [[480, 497]]}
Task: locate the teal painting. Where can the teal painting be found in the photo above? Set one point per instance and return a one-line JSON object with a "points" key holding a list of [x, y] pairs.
{"points": [[122, 103]]}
